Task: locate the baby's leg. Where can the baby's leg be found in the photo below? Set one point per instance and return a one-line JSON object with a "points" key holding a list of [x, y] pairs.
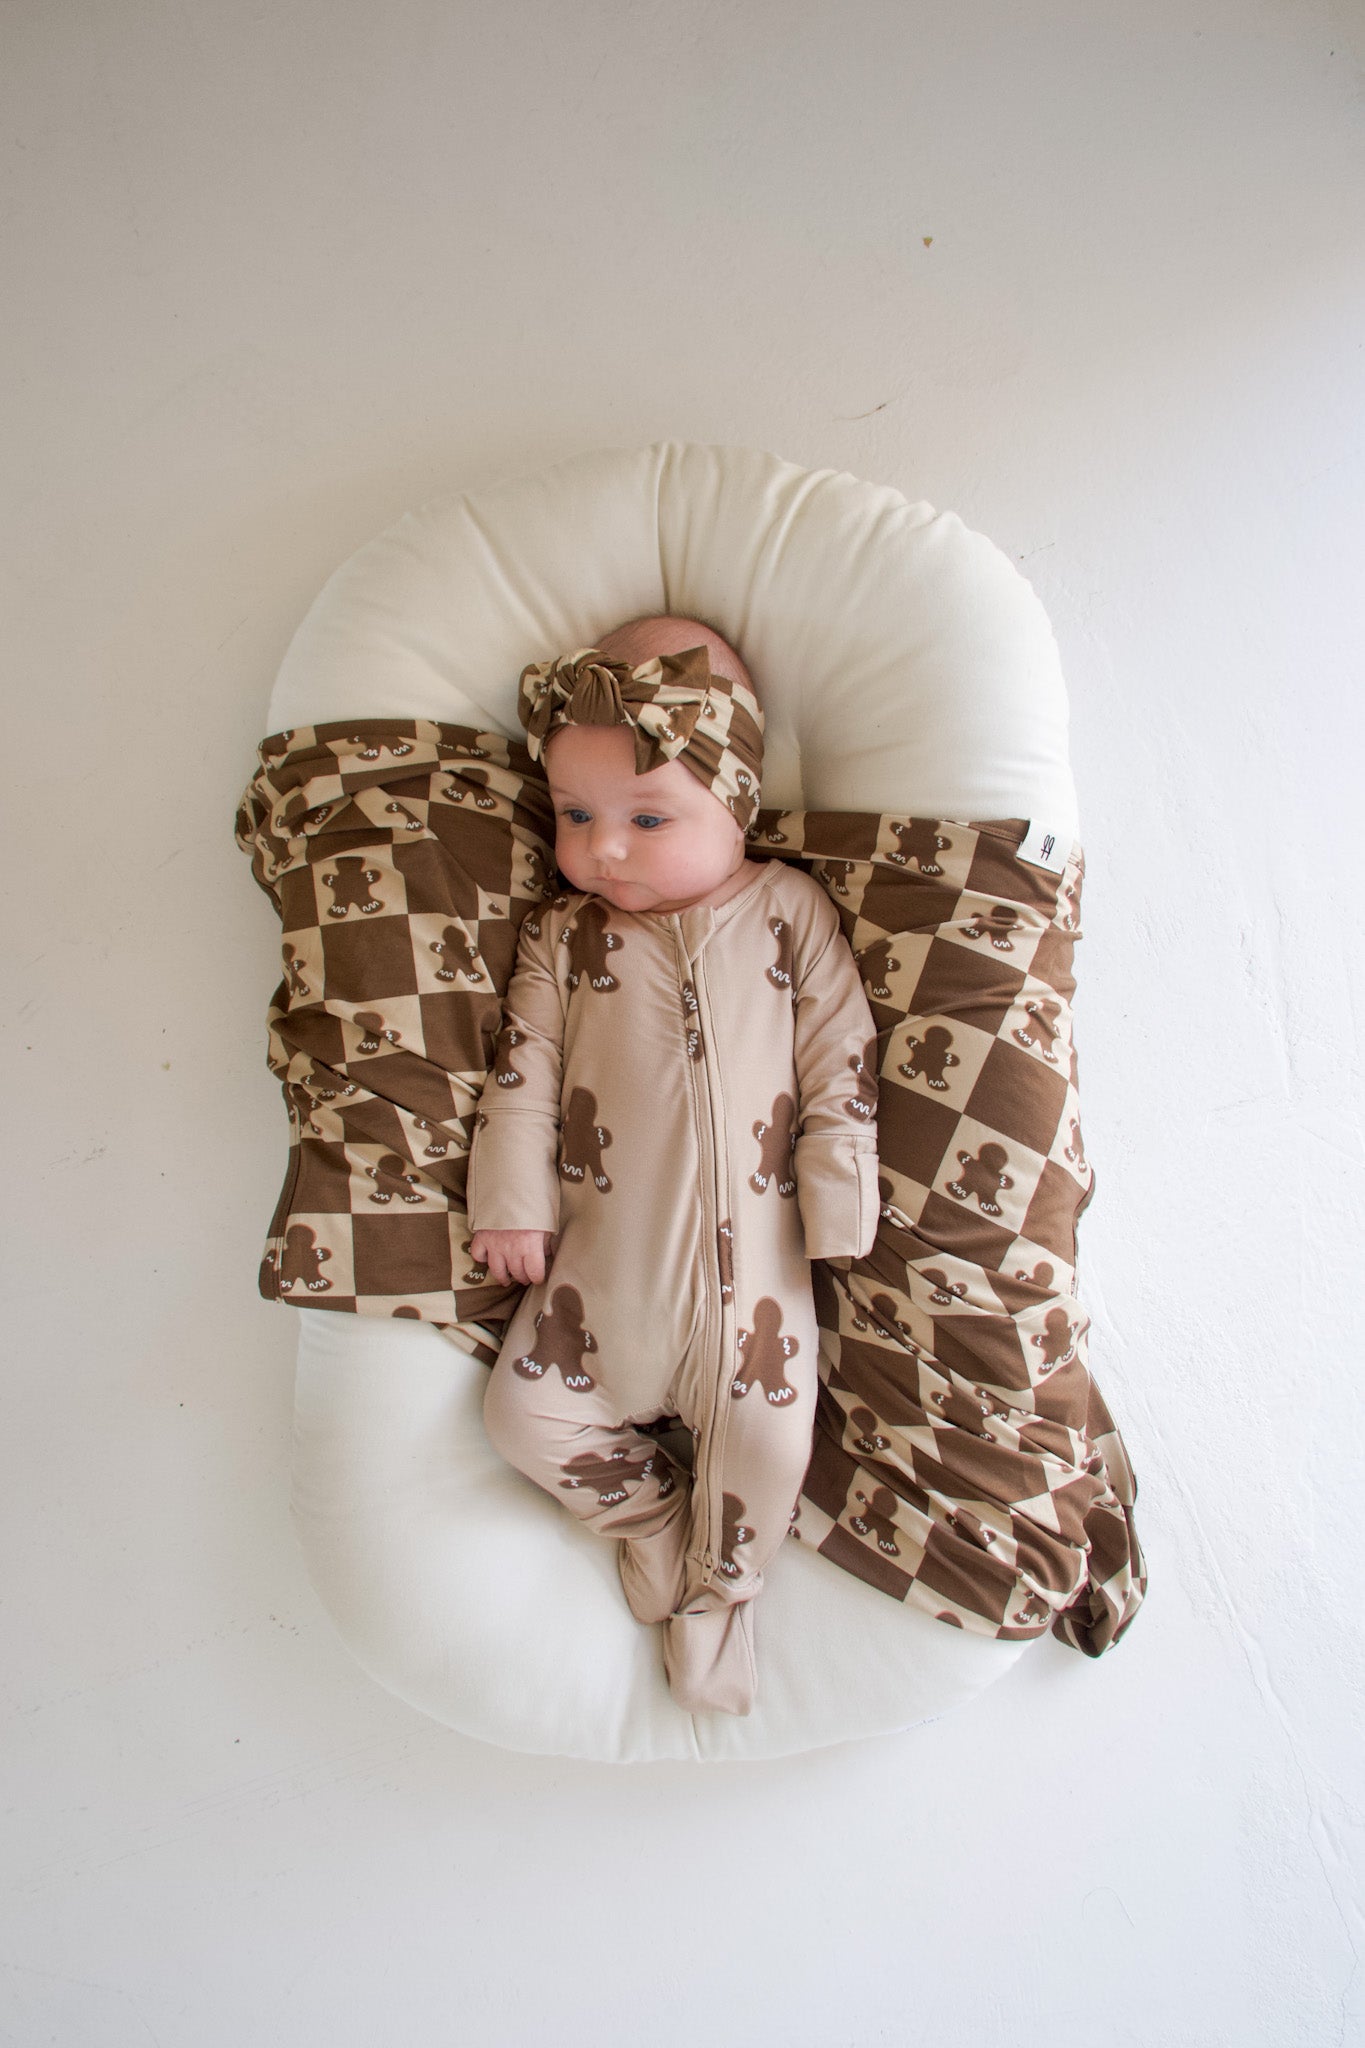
{"points": [[618, 1482], [763, 1461], [709, 1644]]}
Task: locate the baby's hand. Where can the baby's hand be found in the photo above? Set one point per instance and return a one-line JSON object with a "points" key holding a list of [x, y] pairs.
{"points": [[513, 1255]]}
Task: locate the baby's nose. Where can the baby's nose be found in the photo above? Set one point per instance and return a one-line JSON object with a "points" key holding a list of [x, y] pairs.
{"points": [[606, 841]]}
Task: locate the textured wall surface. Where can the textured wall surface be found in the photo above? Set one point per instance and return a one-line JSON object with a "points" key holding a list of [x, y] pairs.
{"points": [[1095, 284]]}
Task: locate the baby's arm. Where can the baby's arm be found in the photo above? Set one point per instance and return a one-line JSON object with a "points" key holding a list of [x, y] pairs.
{"points": [[836, 1068], [512, 1190]]}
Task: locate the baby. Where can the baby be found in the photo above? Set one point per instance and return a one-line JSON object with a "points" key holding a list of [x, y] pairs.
{"points": [[680, 1117]]}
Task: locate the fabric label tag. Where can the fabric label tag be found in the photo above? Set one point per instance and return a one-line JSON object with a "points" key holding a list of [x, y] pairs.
{"points": [[1045, 846]]}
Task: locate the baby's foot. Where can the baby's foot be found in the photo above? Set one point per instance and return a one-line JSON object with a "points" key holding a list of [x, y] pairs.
{"points": [[709, 1659]]}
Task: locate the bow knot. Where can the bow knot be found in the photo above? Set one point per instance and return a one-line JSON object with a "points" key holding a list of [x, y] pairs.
{"points": [[672, 704]]}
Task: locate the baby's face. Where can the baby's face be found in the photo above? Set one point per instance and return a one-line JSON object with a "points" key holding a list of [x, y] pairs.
{"points": [[656, 842]]}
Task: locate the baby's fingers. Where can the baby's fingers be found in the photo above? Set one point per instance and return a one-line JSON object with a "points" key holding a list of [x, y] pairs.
{"points": [[535, 1265], [528, 1267], [486, 1253], [512, 1258]]}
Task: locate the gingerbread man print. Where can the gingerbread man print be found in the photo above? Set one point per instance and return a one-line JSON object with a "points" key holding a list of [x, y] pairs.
{"points": [[1056, 1340], [997, 927], [779, 973], [930, 1057], [869, 1438], [562, 1340], [505, 1073], [301, 1260], [583, 1141], [1040, 1032], [878, 1519], [764, 1351], [917, 841], [350, 887], [611, 1477], [875, 963], [590, 940], [777, 1149], [454, 950], [983, 1177], [733, 1533], [725, 1258], [864, 1070]]}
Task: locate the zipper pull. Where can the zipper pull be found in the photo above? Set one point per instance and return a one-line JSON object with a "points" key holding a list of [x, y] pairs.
{"points": [[708, 1567]]}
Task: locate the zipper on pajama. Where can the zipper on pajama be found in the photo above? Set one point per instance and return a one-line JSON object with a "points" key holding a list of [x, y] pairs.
{"points": [[723, 1358], [711, 1145]]}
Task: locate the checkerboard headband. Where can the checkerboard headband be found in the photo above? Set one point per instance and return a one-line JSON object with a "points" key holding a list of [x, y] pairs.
{"points": [[676, 708]]}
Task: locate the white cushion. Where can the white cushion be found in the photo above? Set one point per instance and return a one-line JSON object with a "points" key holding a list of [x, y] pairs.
{"points": [[903, 664]]}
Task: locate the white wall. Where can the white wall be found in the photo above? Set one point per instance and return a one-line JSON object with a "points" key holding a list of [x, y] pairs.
{"points": [[277, 274]]}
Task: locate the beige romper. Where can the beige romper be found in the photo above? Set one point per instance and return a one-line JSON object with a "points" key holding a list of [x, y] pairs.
{"points": [[689, 1100]]}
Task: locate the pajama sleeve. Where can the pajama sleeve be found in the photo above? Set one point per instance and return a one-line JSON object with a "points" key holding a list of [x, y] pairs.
{"points": [[836, 1067], [514, 1159]]}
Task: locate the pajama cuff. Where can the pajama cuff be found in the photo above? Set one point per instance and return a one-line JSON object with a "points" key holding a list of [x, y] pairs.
{"points": [[513, 1181], [836, 1190]]}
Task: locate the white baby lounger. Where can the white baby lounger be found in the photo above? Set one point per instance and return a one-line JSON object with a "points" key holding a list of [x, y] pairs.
{"points": [[903, 665]]}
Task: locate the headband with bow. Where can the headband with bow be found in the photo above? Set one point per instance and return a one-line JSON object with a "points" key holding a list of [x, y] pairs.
{"points": [[676, 709]]}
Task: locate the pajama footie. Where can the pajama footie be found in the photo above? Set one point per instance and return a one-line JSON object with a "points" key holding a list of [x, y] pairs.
{"points": [[688, 1101]]}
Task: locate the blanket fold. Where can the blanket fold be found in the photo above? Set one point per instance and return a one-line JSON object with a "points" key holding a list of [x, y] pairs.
{"points": [[964, 1460]]}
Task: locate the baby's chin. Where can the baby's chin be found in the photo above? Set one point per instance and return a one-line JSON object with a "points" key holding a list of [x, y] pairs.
{"points": [[632, 892]]}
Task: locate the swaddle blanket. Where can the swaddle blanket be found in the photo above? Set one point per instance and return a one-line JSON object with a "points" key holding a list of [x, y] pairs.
{"points": [[964, 1459]]}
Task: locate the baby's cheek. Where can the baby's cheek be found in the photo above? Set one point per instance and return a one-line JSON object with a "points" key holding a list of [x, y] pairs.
{"points": [[701, 868], [567, 860], [670, 870]]}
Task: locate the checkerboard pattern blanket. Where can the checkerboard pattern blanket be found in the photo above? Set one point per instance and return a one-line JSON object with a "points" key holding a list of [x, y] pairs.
{"points": [[964, 1460]]}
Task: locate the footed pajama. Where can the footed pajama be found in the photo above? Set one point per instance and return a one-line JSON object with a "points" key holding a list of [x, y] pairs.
{"points": [[689, 1101]]}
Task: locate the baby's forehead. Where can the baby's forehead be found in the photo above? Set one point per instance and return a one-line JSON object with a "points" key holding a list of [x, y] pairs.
{"points": [[603, 758]]}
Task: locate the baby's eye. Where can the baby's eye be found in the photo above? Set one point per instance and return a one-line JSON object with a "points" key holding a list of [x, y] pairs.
{"points": [[574, 816], [649, 821]]}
